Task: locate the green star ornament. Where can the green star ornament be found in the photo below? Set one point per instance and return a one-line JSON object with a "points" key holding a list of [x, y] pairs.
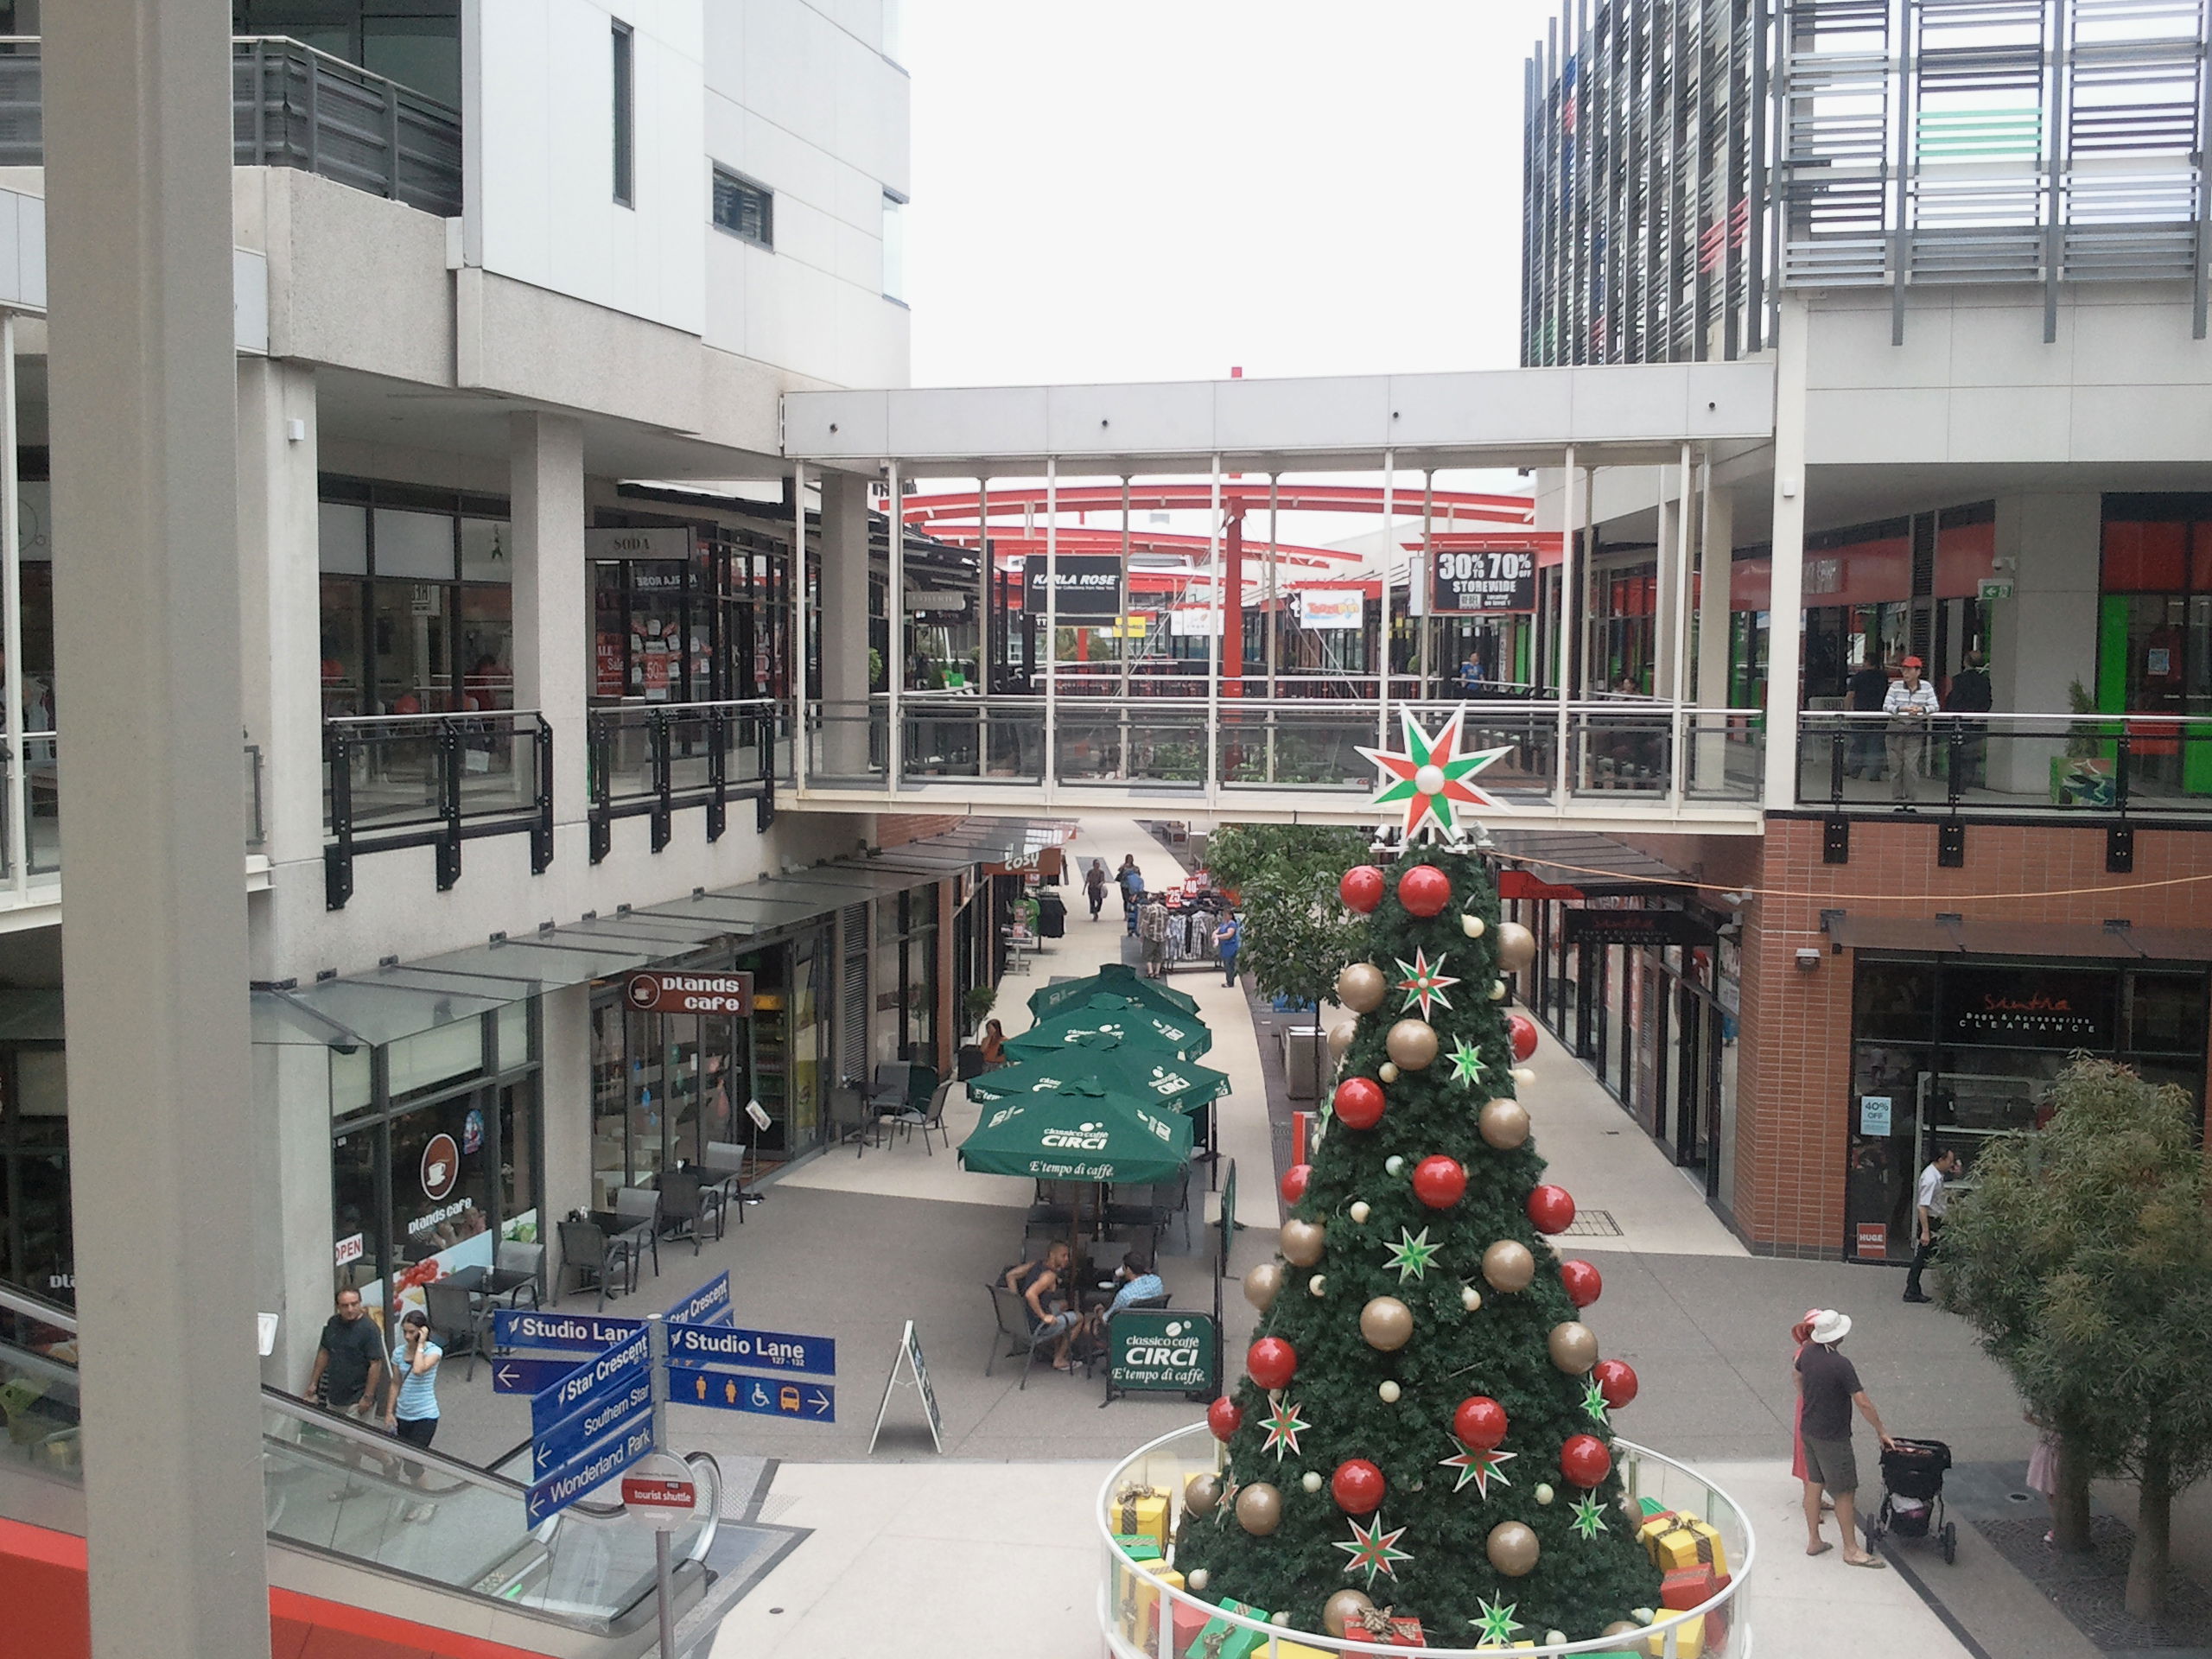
{"points": [[1373, 1550], [1593, 1401], [1412, 1255], [1589, 1519], [1497, 1624], [1466, 1064]]}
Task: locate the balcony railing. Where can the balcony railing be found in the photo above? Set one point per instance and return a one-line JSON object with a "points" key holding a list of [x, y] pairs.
{"points": [[654, 761], [291, 106], [433, 780], [2153, 765]]}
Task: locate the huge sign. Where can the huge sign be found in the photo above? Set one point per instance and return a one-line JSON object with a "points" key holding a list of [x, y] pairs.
{"points": [[604, 1377], [1464, 583], [2030, 1007], [581, 1333], [1089, 584], [1635, 927], [708, 1304], [1161, 1352], [600, 1464], [563, 1441], [690, 994]]}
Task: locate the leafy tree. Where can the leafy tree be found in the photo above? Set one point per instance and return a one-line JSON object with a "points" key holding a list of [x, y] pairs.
{"points": [[1297, 932], [2082, 1256]]}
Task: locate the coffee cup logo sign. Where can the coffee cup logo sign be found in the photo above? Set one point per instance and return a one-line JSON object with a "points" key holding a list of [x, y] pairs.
{"points": [[729, 994], [441, 1166]]}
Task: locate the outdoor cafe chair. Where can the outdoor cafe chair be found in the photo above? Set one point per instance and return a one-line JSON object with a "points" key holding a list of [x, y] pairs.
{"points": [[459, 1321], [686, 1200], [886, 1097], [849, 1118], [517, 1269], [641, 1207], [1019, 1338], [588, 1252], [931, 1119], [724, 1162]]}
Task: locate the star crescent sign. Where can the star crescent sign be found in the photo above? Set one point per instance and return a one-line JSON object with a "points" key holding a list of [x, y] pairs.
{"points": [[1430, 776]]}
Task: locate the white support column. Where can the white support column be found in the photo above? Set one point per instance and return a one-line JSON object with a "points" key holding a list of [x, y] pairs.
{"points": [[1678, 627], [1383, 624], [848, 711], [1127, 609], [18, 805], [1051, 621], [983, 584], [1213, 637], [1567, 610], [1419, 585], [1785, 607], [1716, 558], [894, 668], [798, 625], [1665, 585], [545, 470], [143, 384], [1273, 621], [280, 618]]}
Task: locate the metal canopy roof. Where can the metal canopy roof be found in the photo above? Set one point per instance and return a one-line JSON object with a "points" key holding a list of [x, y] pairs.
{"points": [[1597, 865]]}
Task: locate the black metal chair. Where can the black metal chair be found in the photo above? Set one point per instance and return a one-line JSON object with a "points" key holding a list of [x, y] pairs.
{"points": [[460, 1323], [641, 1207], [726, 1162], [687, 1201], [1019, 1339], [886, 1096], [850, 1119], [588, 1252], [517, 1271], [932, 1120]]}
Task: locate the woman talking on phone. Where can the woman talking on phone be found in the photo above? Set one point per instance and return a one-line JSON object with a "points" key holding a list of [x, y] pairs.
{"points": [[414, 1416]]}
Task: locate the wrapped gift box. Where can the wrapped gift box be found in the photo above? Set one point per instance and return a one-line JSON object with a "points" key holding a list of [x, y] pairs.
{"points": [[1689, 1638], [1220, 1639], [1653, 1528], [1694, 1543], [1685, 1587], [1137, 1598], [1186, 1620], [1139, 1508]]}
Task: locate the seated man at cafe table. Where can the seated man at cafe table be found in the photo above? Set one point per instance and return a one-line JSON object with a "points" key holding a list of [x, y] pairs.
{"points": [[1133, 1282], [1044, 1301]]}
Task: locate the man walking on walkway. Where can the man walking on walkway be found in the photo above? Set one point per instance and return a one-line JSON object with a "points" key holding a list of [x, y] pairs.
{"points": [[1829, 1384], [1930, 1199]]}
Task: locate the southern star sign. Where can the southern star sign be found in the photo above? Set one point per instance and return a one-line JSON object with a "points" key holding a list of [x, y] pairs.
{"points": [[1431, 776]]}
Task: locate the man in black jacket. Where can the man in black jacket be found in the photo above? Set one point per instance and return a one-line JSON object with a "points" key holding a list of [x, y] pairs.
{"points": [[1970, 694], [1868, 687]]}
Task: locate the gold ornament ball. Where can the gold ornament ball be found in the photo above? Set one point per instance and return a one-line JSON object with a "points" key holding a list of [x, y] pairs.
{"points": [[1263, 1285], [1259, 1509], [1318, 1285], [1621, 1627], [1511, 1548], [1338, 1612], [1412, 1044], [1575, 1349], [1471, 926], [1507, 1265], [1200, 1494], [1387, 1323], [1359, 1211], [1389, 1391], [1301, 1242], [1387, 1071], [1516, 947], [1504, 1124], [1311, 1481], [1361, 987], [1340, 1038], [1471, 1299]]}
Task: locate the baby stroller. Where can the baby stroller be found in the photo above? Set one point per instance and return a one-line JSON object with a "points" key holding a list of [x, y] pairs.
{"points": [[1912, 1494]]}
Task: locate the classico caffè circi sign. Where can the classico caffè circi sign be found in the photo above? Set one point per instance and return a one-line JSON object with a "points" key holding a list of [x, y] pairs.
{"points": [[1161, 1351]]}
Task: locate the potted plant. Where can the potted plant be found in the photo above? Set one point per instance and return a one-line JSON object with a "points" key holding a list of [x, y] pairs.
{"points": [[2083, 776], [981, 998]]}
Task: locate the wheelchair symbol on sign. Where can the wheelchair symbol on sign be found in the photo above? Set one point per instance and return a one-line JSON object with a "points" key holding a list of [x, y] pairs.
{"points": [[759, 1396]]}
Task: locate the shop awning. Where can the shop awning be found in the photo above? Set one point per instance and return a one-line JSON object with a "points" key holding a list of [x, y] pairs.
{"points": [[1958, 936], [1595, 866]]}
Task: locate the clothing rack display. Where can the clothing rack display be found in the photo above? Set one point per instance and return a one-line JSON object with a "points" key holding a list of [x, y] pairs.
{"points": [[1176, 928]]}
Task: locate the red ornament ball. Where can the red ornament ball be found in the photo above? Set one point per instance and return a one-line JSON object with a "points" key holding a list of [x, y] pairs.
{"points": [[1615, 1380], [1361, 887], [1552, 1208], [1271, 1362], [1294, 1180], [1424, 890], [1359, 1103], [1583, 1284], [1523, 1030], [1356, 1486], [1479, 1422], [1224, 1417], [1439, 1182], [1585, 1460]]}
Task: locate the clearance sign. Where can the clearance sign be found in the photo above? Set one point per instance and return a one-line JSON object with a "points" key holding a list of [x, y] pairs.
{"points": [[690, 994], [1474, 583]]}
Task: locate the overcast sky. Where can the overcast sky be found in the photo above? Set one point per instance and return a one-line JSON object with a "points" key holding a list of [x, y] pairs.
{"points": [[1147, 190]]}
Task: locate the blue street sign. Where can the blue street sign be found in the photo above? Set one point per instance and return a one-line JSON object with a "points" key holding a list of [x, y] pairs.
{"points": [[592, 1383], [566, 1438], [601, 1462], [765, 1396], [525, 1375], [581, 1333], [708, 1304], [726, 1344]]}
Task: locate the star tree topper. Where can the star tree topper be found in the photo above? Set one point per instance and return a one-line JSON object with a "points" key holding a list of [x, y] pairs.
{"points": [[1284, 1426], [1373, 1550], [1481, 1467], [1430, 776], [1424, 982]]}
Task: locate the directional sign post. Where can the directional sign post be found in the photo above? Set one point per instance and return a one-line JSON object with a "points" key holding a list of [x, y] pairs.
{"points": [[708, 1304], [730, 1345], [579, 1333], [764, 1396], [523, 1375], [594, 1421], [595, 1381], [600, 1463]]}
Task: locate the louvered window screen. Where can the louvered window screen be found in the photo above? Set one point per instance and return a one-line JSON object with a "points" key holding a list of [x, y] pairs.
{"points": [[852, 1018]]}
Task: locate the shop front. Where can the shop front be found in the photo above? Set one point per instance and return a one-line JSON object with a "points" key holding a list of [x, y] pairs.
{"points": [[1958, 1050], [35, 1216]]}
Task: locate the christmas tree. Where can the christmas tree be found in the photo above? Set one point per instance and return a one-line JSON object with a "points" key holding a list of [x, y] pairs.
{"points": [[1424, 1424]]}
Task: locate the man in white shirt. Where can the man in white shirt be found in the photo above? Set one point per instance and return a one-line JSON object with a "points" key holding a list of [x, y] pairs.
{"points": [[1910, 705], [1930, 1199]]}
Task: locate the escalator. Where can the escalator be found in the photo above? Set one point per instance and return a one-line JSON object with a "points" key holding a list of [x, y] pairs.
{"points": [[431, 1562]]}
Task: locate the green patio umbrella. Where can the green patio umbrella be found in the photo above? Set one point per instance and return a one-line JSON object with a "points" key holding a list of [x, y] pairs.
{"points": [[1124, 1068], [1183, 1035], [1081, 1132], [1113, 978]]}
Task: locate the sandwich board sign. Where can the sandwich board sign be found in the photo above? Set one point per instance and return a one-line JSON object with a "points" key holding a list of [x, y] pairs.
{"points": [[909, 1357], [1161, 1352]]}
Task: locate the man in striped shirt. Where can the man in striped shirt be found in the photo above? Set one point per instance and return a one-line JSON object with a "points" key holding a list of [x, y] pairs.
{"points": [[1909, 704]]}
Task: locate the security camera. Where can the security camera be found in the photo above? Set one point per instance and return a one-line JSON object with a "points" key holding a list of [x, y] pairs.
{"points": [[1808, 959]]}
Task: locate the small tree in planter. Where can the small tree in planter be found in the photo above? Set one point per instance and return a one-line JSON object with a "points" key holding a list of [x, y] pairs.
{"points": [[981, 1000], [1297, 932]]}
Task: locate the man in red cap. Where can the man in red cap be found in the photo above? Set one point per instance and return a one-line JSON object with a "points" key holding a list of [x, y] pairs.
{"points": [[1910, 705]]}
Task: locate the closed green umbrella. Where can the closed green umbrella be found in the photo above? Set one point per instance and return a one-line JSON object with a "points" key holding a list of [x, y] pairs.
{"points": [[1183, 1035], [1124, 1068], [1113, 979], [1081, 1132]]}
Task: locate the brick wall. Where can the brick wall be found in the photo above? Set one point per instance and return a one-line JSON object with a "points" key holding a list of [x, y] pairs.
{"points": [[1793, 1088], [897, 829]]}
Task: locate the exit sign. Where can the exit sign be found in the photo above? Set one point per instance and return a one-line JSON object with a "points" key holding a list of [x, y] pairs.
{"points": [[1989, 588]]}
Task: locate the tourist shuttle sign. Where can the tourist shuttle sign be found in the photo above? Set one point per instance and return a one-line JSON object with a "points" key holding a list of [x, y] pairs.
{"points": [[730, 994]]}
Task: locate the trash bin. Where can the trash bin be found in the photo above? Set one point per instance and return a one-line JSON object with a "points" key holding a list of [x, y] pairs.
{"points": [[1301, 1062], [1051, 915]]}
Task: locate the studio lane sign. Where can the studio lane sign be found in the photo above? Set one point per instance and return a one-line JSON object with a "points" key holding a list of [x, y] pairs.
{"points": [[729, 1345], [730, 994]]}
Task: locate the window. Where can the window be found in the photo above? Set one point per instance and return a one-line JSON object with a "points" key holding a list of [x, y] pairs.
{"points": [[744, 208], [625, 107], [894, 247]]}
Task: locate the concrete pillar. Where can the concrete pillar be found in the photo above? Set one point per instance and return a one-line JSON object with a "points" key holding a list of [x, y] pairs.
{"points": [[1716, 556], [1667, 589], [2044, 637], [143, 384], [1785, 644], [281, 607], [564, 1022], [291, 1172], [545, 469], [845, 722]]}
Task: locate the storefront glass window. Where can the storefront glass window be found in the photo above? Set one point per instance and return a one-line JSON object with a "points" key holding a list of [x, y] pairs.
{"points": [[434, 1056]]}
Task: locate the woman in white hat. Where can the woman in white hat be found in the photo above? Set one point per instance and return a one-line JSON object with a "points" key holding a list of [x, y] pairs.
{"points": [[1827, 1386]]}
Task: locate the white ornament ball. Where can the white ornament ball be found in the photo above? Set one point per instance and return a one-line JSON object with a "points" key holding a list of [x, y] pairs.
{"points": [[1523, 1076], [1284, 1618], [1389, 1392], [1471, 926], [1311, 1481], [1471, 1299], [1544, 1494], [1319, 1284], [1642, 1615], [1497, 991], [1394, 1165], [1429, 779], [1554, 1638], [1359, 1210], [1388, 1071], [1200, 1578]]}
